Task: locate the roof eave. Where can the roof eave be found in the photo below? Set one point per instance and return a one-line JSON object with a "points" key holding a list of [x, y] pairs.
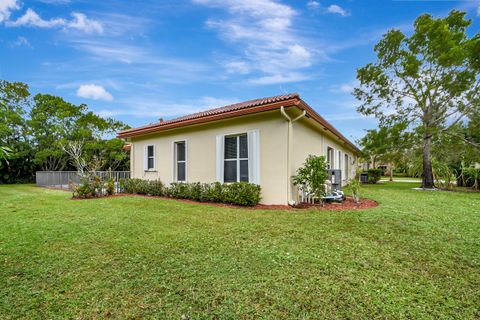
{"points": [[226, 115]]}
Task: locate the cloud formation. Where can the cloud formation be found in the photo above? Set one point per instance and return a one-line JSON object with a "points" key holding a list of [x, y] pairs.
{"points": [[6, 8], [21, 41], [336, 9], [264, 35], [94, 92], [31, 18]]}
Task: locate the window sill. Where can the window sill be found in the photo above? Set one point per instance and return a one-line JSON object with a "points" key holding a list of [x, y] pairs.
{"points": [[150, 170]]}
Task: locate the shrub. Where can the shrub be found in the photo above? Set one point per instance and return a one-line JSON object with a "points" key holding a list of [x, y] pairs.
{"points": [[313, 174], [131, 185], [471, 178], [156, 188], [374, 175], [212, 192], [239, 193], [355, 187], [143, 187], [110, 186], [178, 190], [195, 191]]}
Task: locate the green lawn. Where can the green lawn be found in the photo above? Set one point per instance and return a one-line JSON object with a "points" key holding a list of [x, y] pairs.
{"points": [[415, 256]]}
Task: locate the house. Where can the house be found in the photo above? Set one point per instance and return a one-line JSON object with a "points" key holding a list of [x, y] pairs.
{"points": [[262, 141]]}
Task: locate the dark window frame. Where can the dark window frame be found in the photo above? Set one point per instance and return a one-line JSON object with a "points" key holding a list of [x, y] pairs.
{"points": [[150, 157], [176, 145], [238, 160]]}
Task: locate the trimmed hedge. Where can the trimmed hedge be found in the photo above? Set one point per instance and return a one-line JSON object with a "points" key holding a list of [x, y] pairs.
{"points": [[238, 193]]}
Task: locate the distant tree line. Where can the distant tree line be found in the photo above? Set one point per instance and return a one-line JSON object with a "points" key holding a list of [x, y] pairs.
{"points": [[34, 131]]}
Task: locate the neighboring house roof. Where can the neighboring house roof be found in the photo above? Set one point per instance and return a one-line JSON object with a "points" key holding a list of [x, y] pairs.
{"points": [[234, 110]]}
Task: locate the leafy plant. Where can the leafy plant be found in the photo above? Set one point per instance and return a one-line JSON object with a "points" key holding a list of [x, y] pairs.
{"points": [[110, 186], [313, 174], [355, 187], [374, 175], [241, 193]]}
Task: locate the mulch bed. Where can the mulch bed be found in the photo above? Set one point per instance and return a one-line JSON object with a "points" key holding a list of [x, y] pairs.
{"points": [[348, 204]]}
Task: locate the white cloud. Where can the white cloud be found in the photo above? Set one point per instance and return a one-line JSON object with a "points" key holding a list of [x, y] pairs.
{"points": [[313, 5], [279, 78], [32, 19], [6, 8], [263, 33], [345, 87], [21, 41], [338, 10], [95, 92], [237, 67], [81, 22], [148, 107], [78, 22]]}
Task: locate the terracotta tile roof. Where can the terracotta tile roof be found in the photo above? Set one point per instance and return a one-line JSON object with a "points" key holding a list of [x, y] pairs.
{"points": [[211, 112], [233, 110]]}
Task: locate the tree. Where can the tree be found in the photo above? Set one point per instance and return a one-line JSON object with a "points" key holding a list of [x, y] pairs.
{"points": [[14, 102], [430, 80], [387, 145], [55, 122]]}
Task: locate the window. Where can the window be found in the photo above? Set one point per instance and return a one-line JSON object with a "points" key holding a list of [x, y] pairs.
{"points": [[339, 160], [235, 158], [149, 157], [346, 163], [330, 157], [180, 161]]}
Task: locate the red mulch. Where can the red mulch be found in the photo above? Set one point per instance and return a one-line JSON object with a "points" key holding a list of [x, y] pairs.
{"points": [[348, 204]]}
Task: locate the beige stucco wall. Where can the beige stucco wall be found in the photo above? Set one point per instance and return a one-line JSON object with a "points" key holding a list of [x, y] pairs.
{"points": [[201, 152], [310, 138]]}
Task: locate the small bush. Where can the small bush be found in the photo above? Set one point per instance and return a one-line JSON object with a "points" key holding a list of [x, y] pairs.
{"points": [[143, 187], [195, 191], [471, 178], [110, 186], [355, 187], [156, 188], [241, 193], [178, 190], [131, 185], [212, 192], [374, 175]]}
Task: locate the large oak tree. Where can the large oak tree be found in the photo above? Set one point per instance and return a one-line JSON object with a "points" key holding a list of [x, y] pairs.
{"points": [[430, 79]]}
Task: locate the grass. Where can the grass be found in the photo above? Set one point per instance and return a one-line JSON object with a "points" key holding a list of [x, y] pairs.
{"points": [[415, 256]]}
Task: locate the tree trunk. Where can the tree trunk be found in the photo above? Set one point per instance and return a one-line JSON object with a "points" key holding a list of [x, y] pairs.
{"points": [[391, 171], [427, 179]]}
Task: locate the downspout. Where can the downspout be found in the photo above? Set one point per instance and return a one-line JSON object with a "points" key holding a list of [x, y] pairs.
{"points": [[289, 148]]}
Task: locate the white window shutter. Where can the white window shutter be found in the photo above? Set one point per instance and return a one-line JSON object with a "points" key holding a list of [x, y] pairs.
{"points": [[219, 157], [145, 158], [154, 158], [254, 157]]}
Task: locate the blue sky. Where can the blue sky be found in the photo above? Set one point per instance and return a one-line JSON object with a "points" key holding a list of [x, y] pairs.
{"points": [[140, 60]]}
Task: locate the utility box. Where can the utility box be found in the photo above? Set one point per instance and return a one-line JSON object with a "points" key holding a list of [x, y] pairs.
{"points": [[335, 177], [364, 177]]}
